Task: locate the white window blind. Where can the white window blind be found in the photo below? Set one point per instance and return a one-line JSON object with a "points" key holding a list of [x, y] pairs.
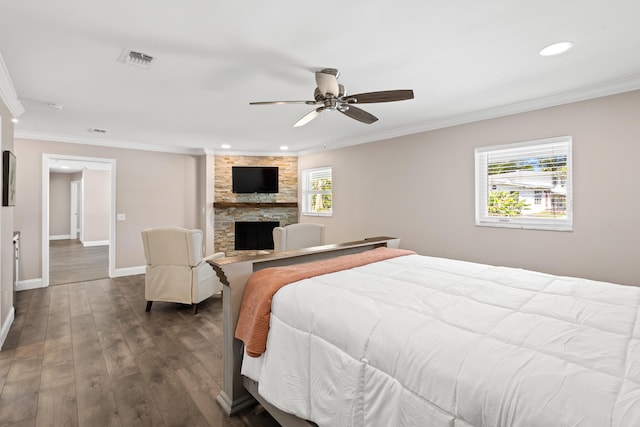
{"points": [[317, 187], [525, 185]]}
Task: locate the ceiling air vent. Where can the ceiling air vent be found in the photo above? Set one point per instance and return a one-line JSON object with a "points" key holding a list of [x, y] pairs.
{"points": [[137, 59], [98, 131], [55, 105]]}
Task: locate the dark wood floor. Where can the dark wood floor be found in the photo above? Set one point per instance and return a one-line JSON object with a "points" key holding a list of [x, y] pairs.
{"points": [[88, 354], [70, 262]]}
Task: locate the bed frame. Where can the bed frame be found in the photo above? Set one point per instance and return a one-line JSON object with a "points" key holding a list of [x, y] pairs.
{"points": [[238, 392]]}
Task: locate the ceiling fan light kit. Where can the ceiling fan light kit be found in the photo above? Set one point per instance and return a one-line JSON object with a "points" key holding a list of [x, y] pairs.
{"points": [[332, 96]]}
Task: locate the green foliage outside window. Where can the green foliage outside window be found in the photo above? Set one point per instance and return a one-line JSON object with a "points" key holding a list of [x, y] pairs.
{"points": [[496, 168], [321, 184], [321, 202], [505, 203]]}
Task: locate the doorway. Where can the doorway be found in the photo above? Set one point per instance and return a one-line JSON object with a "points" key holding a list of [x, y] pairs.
{"points": [[79, 244]]}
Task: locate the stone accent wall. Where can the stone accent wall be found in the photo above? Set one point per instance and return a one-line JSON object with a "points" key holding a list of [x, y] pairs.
{"points": [[225, 218]]}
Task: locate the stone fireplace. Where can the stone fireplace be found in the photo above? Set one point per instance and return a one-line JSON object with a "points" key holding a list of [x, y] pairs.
{"points": [[229, 207]]}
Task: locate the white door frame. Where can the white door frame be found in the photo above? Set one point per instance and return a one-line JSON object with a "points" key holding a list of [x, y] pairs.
{"points": [[75, 210], [48, 161]]}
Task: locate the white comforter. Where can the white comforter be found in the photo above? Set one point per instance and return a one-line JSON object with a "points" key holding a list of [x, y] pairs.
{"points": [[421, 341]]}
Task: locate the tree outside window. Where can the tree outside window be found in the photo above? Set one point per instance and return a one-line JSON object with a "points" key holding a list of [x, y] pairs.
{"points": [[317, 186]]}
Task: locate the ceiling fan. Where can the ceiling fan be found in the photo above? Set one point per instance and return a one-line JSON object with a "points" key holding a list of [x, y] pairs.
{"points": [[332, 96]]}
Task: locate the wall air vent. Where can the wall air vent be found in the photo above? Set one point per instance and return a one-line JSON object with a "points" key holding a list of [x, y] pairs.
{"points": [[136, 58]]}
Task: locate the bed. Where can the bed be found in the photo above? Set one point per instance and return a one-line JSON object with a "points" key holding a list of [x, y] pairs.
{"points": [[414, 340]]}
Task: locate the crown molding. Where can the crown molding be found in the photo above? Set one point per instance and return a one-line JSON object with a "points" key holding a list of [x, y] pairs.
{"points": [[8, 91], [612, 87], [257, 153], [222, 152], [102, 142]]}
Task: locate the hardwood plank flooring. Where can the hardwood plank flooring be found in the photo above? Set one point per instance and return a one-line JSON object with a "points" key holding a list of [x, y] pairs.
{"points": [[71, 262], [87, 354]]}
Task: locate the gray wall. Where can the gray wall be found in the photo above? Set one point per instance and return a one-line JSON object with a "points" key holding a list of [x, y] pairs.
{"points": [[152, 189], [421, 188]]}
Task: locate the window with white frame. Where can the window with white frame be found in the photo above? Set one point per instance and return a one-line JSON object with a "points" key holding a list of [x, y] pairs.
{"points": [[317, 191], [525, 185]]}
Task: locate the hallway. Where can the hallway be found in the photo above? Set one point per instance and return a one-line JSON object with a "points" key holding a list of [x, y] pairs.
{"points": [[70, 262]]}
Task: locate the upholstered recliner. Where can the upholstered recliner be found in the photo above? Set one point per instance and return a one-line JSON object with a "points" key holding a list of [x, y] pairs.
{"points": [[297, 236], [176, 271]]}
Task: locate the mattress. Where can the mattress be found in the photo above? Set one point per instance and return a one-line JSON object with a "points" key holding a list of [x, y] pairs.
{"points": [[424, 341]]}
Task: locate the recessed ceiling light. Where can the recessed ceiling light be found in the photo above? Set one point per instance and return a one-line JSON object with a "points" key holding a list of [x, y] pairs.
{"points": [[226, 146], [556, 48], [14, 120], [284, 147]]}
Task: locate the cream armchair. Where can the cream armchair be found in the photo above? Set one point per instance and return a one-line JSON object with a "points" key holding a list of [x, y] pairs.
{"points": [[176, 271], [297, 236]]}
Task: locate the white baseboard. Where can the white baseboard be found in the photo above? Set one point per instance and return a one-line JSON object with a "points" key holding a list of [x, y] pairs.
{"points": [[60, 237], [129, 271], [6, 325], [96, 243], [24, 285]]}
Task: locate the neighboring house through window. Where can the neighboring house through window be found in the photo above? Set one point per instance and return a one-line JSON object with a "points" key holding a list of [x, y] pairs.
{"points": [[317, 191], [525, 185]]}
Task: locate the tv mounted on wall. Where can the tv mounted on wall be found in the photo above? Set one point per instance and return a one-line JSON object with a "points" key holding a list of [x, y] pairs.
{"points": [[254, 179]]}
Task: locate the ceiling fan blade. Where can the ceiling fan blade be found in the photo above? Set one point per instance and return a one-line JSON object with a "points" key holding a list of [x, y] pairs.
{"points": [[308, 117], [359, 114], [327, 83], [283, 102], [382, 96]]}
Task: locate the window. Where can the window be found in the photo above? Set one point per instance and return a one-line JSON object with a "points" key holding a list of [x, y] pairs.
{"points": [[537, 197], [525, 185], [316, 191]]}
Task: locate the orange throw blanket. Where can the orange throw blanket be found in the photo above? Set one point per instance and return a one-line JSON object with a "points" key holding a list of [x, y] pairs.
{"points": [[255, 313]]}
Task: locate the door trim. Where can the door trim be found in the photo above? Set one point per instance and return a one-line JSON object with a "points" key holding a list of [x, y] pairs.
{"points": [[48, 161], [75, 211]]}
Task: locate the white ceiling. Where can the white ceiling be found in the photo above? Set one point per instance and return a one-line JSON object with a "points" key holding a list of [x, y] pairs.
{"points": [[464, 59]]}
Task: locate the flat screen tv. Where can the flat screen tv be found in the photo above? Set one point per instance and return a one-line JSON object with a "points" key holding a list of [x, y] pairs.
{"points": [[254, 179]]}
